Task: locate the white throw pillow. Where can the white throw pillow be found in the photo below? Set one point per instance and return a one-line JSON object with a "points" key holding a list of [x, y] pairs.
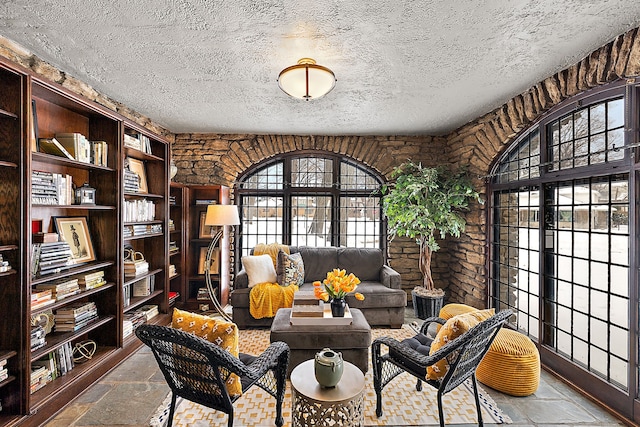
{"points": [[259, 269]]}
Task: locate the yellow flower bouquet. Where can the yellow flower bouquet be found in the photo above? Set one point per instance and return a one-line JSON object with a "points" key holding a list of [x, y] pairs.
{"points": [[336, 286]]}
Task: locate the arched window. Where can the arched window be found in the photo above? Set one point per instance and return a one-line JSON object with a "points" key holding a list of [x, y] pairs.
{"points": [[310, 199], [560, 243]]}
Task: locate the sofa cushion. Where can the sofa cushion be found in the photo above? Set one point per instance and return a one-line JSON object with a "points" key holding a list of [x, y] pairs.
{"points": [[289, 269], [317, 262], [259, 269], [365, 263]]}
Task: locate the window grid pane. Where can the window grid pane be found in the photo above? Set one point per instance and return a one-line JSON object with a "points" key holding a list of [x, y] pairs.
{"points": [[516, 256], [261, 221], [587, 252], [268, 178], [522, 162], [311, 221], [360, 222], [587, 136], [310, 172]]}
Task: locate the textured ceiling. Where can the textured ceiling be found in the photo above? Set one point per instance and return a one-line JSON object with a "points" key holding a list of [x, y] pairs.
{"points": [[403, 66]]}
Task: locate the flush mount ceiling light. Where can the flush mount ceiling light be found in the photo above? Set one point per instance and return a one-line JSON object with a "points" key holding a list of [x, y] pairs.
{"points": [[306, 80]]}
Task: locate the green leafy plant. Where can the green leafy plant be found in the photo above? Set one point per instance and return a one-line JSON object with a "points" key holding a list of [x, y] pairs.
{"points": [[423, 203]]}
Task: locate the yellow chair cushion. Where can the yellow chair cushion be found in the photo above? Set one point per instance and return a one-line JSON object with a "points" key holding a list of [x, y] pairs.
{"points": [[450, 310], [216, 331], [512, 364], [454, 327]]}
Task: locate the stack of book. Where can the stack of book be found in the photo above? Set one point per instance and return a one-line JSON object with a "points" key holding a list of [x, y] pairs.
{"points": [[91, 280], [49, 188], [77, 145], [131, 182], [137, 141], [135, 318], [172, 225], [56, 364], [203, 294], [61, 288], [172, 200], [41, 298], [150, 311], [37, 337], [143, 287], [50, 258], [139, 210], [173, 296], [172, 271], [40, 377], [75, 316], [126, 295], [4, 265], [135, 268], [4, 374], [173, 247], [127, 327]]}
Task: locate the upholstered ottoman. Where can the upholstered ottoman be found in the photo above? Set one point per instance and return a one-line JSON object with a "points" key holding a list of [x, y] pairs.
{"points": [[512, 364], [305, 341]]}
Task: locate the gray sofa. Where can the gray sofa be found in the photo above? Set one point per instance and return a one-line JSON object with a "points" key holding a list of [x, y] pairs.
{"points": [[384, 301]]}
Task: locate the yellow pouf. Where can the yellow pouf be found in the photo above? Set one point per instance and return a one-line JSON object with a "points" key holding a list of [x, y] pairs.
{"points": [[512, 364]]}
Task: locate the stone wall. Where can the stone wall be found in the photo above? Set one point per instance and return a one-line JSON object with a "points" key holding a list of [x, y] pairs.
{"points": [[219, 159], [479, 144]]}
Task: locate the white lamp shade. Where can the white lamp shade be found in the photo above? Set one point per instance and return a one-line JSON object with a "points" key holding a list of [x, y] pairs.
{"points": [[306, 80], [222, 215]]}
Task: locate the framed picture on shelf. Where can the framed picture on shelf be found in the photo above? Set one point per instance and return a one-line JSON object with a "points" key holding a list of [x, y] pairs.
{"points": [[137, 166], [75, 231], [206, 231], [215, 264]]}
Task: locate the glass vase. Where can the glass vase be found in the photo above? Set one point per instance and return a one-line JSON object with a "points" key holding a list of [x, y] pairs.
{"points": [[337, 307]]}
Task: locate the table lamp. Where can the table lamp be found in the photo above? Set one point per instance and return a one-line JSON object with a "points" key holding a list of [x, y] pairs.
{"points": [[218, 215]]}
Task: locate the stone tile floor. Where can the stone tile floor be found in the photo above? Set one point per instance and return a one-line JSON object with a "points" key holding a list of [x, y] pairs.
{"points": [[130, 394]]}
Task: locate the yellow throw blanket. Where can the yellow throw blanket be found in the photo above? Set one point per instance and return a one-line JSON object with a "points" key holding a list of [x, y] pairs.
{"points": [[266, 298], [271, 249]]}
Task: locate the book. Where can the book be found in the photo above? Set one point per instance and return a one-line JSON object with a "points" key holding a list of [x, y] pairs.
{"points": [[53, 146]]}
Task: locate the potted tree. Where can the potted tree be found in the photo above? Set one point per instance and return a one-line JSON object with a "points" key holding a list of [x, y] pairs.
{"points": [[424, 203]]}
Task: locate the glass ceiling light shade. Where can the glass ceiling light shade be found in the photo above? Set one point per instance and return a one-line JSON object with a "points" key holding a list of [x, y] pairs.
{"points": [[306, 80]]}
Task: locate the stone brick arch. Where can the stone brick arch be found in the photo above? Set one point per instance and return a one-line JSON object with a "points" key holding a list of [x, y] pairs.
{"points": [[481, 143], [219, 159]]}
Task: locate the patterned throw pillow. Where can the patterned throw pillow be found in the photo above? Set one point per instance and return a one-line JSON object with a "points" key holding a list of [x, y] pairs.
{"points": [[451, 330], [216, 331], [290, 269]]}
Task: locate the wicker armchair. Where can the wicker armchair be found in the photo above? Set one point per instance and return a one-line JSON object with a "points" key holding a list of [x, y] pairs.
{"points": [[197, 370], [464, 354]]}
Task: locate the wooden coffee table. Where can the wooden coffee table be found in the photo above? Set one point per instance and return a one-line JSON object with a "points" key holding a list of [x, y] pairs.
{"points": [[312, 405]]}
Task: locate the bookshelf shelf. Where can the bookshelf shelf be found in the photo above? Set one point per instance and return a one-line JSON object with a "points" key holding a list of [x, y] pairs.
{"points": [[7, 380], [72, 298], [8, 164], [5, 113], [73, 271], [140, 195], [137, 302], [130, 280], [57, 339], [62, 161]]}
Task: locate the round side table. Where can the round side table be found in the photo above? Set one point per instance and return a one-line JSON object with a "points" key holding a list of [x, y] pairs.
{"points": [[312, 405]]}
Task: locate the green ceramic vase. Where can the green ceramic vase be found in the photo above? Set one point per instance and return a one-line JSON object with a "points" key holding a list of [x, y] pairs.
{"points": [[328, 367]]}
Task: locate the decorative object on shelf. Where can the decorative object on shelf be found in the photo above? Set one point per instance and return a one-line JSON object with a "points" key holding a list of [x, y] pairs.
{"points": [[217, 215], [137, 166], [306, 80], [134, 263], [214, 265], [328, 367], [75, 231], [336, 287], [84, 351], [173, 169], [85, 195], [337, 307], [205, 231]]}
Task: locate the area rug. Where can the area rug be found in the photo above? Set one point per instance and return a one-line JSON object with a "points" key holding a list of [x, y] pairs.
{"points": [[402, 404]]}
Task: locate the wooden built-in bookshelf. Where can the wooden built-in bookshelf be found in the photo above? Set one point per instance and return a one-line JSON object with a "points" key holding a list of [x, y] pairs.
{"points": [[32, 108]]}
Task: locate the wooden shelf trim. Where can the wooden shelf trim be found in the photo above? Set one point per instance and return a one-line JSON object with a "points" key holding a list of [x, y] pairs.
{"points": [[8, 164], [4, 248], [5, 354], [129, 280], [129, 194], [7, 380], [5, 113], [83, 207], [57, 160], [143, 236], [72, 271]]}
